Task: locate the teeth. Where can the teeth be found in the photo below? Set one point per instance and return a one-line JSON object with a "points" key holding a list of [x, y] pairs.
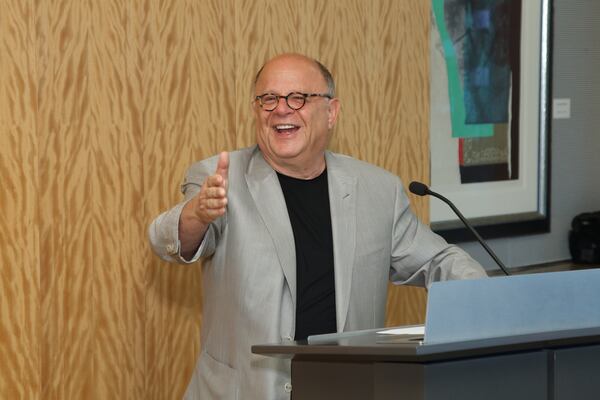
{"points": [[284, 126]]}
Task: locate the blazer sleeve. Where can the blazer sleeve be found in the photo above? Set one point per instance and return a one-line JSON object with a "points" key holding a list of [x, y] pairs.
{"points": [[163, 232], [419, 256]]}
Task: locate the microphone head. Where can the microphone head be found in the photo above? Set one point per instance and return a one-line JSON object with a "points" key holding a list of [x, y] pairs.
{"points": [[418, 188]]}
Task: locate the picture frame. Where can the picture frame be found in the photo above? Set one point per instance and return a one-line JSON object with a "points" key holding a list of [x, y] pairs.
{"points": [[512, 203]]}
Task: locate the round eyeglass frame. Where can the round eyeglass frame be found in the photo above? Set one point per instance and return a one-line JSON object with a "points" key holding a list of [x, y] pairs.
{"points": [[297, 95]]}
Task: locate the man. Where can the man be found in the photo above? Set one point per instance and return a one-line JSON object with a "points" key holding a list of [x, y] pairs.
{"points": [[297, 240]]}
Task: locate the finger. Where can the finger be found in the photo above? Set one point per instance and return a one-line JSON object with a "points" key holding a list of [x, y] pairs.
{"points": [[215, 180], [208, 209], [214, 204], [215, 213], [215, 192], [223, 165]]}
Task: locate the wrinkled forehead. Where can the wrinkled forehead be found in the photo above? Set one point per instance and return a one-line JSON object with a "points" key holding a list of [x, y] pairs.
{"points": [[289, 74]]}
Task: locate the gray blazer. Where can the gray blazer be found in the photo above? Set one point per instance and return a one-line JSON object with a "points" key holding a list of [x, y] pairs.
{"points": [[249, 276]]}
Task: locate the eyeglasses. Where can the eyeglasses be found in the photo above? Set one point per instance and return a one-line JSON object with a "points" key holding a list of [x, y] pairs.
{"points": [[294, 100]]}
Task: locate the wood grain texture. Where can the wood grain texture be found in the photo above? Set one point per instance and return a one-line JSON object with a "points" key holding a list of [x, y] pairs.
{"points": [[113, 123], [66, 222], [103, 106], [168, 141], [19, 184]]}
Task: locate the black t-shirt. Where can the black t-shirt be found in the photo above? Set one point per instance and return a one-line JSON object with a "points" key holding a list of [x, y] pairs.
{"points": [[307, 202]]}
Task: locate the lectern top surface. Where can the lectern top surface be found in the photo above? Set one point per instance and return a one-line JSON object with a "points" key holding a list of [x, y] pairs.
{"points": [[371, 345]]}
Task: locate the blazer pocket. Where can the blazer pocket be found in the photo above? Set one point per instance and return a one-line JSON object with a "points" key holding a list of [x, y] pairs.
{"points": [[216, 380]]}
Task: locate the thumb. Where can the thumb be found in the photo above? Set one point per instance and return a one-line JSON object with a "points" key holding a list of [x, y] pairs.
{"points": [[223, 165]]}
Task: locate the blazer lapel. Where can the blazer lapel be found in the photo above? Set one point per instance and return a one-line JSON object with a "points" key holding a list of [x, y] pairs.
{"points": [[266, 192], [342, 199]]}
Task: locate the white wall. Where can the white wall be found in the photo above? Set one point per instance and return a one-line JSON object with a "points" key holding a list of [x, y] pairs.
{"points": [[575, 142]]}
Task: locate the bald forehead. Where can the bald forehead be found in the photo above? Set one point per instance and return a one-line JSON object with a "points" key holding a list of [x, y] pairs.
{"points": [[292, 58], [287, 61], [293, 64]]}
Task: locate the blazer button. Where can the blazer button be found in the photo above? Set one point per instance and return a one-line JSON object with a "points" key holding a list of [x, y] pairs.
{"points": [[287, 387]]}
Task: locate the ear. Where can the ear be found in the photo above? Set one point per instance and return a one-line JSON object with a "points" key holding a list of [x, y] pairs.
{"points": [[334, 109]]}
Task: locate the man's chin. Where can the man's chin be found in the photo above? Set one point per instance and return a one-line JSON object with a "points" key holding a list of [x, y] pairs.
{"points": [[285, 151], [281, 156]]}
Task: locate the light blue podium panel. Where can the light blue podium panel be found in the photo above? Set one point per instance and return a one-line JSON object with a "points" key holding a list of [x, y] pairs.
{"points": [[513, 305]]}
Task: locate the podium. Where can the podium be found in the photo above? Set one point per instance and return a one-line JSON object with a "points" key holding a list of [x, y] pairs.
{"points": [[519, 337]]}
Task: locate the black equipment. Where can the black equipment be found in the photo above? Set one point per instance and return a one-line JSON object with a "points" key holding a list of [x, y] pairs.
{"points": [[584, 238]]}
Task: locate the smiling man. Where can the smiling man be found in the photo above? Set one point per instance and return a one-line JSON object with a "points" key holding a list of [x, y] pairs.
{"points": [[296, 240], [293, 131]]}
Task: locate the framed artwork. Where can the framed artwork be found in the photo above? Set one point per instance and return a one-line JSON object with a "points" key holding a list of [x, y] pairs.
{"points": [[490, 117]]}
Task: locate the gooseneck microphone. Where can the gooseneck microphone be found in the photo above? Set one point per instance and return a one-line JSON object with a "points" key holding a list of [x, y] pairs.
{"points": [[421, 189]]}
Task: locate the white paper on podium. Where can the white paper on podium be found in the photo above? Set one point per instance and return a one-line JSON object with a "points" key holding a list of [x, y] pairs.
{"points": [[405, 330]]}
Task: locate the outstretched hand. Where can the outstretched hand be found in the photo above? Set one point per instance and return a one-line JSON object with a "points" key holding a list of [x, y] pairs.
{"points": [[211, 202]]}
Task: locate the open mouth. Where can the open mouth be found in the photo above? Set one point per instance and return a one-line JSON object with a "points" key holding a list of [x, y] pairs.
{"points": [[286, 129]]}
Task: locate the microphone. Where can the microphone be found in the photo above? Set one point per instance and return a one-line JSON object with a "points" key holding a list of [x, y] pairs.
{"points": [[421, 189]]}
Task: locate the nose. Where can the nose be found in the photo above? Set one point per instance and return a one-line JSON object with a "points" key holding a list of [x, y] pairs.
{"points": [[283, 107]]}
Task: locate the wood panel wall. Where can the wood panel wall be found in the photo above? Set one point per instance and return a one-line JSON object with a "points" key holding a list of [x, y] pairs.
{"points": [[103, 105]]}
